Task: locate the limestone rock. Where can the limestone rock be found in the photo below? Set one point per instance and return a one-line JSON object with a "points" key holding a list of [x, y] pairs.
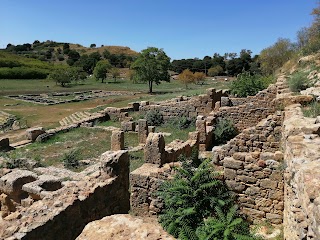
{"points": [[124, 227]]}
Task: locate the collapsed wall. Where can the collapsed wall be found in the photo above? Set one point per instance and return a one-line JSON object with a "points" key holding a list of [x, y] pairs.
{"points": [[302, 177], [44, 207]]}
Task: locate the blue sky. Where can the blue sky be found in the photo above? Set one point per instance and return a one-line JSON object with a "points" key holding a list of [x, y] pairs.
{"points": [[183, 28]]}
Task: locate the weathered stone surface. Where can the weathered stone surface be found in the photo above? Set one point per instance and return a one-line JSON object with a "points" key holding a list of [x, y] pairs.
{"points": [[128, 126], [231, 163], [154, 151], [117, 141], [142, 131], [33, 133], [124, 227], [4, 144], [11, 183]]}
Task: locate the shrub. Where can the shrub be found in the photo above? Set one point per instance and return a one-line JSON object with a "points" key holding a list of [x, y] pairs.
{"points": [[224, 131], [22, 73], [311, 110], [182, 122], [298, 82], [71, 159], [196, 193], [249, 85], [154, 118]]}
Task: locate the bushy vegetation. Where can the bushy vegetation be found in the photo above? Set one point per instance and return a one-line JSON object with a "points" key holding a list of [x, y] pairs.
{"points": [[298, 82], [182, 122], [71, 159], [198, 205], [22, 73], [311, 110], [224, 131], [249, 85], [154, 118]]}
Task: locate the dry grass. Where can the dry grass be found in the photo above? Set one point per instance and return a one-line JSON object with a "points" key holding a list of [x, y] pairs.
{"points": [[111, 49]]}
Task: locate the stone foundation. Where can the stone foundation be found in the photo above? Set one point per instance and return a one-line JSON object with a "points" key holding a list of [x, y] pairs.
{"points": [[61, 211]]}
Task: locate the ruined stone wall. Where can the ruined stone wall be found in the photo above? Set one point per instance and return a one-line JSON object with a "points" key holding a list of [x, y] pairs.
{"points": [[186, 106], [252, 166], [247, 112], [63, 213], [302, 177], [159, 160]]}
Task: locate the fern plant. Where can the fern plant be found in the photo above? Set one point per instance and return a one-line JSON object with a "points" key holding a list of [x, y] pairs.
{"points": [[227, 226], [190, 197]]}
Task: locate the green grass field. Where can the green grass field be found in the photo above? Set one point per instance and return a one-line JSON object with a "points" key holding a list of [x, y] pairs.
{"points": [[37, 115]]}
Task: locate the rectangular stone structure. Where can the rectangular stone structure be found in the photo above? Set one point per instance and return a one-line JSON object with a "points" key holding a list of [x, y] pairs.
{"points": [[117, 141], [154, 150], [143, 131]]}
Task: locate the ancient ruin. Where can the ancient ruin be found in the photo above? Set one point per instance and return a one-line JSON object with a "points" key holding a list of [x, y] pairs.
{"points": [[272, 166]]}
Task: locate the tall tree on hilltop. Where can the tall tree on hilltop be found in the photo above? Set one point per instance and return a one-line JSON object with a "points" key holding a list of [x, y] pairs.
{"points": [[152, 66]]}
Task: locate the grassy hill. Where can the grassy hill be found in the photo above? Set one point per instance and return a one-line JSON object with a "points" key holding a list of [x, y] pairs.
{"points": [[37, 60], [13, 66], [112, 49]]}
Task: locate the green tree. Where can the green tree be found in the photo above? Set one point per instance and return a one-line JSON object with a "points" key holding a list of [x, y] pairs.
{"points": [[101, 69], [93, 45], [274, 57], [186, 77], [215, 71], [152, 66], [61, 76], [115, 73]]}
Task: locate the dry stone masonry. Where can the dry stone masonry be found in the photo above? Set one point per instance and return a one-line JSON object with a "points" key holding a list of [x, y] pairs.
{"points": [[50, 207]]}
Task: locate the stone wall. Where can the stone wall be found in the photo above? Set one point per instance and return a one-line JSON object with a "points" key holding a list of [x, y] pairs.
{"points": [[302, 177], [159, 160], [186, 106], [253, 168], [62, 213], [247, 112]]}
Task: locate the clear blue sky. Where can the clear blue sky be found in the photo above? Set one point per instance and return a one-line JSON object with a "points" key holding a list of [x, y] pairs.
{"points": [[183, 28]]}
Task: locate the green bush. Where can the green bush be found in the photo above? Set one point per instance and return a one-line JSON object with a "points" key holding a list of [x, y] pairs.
{"points": [[311, 110], [224, 131], [182, 122], [299, 81], [71, 159], [22, 73], [249, 85], [154, 118], [196, 193]]}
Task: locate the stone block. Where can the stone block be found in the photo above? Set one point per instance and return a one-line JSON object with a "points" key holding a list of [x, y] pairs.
{"points": [[230, 174], [225, 102], [11, 183], [142, 131], [128, 126], [4, 144], [117, 141], [154, 151], [42, 187], [235, 186], [267, 183], [231, 163], [33, 133], [151, 129]]}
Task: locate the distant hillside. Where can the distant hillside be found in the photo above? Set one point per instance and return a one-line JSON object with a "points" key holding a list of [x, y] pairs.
{"points": [[112, 49], [60, 54], [13, 66]]}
